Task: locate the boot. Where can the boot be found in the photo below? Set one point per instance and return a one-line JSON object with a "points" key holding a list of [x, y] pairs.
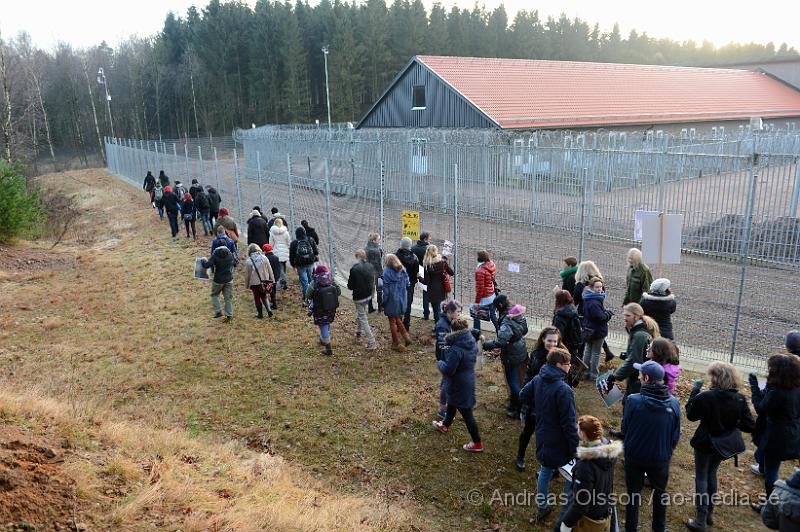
{"points": [[696, 525], [260, 315], [406, 337], [395, 335], [328, 350]]}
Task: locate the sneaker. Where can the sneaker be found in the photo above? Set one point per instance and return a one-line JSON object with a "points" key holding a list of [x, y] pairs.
{"points": [[218, 315], [441, 414], [755, 470], [372, 346], [695, 526], [441, 427], [227, 319], [473, 447], [520, 464]]}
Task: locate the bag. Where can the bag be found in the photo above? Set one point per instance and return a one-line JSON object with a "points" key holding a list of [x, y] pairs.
{"points": [[496, 286], [573, 335], [305, 252], [729, 444], [188, 215], [587, 334], [587, 524], [448, 286], [158, 193], [325, 298], [479, 312], [266, 285]]}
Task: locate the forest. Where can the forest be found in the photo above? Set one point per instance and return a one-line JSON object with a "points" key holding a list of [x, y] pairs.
{"points": [[228, 65]]}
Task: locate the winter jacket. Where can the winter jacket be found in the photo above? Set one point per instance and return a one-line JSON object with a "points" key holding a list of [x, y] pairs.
{"points": [[149, 182], [375, 257], [577, 297], [312, 234], [222, 262], [294, 260], [568, 278], [170, 201], [194, 190], [552, 402], [511, 337], [223, 241], [271, 221], [651, 423], [638, 340], [719, 412], [202, 202], [395, 292], [162, 177], [671, 374], [361, 281], [214, 199], [459, 367], [231, 229], [410, 263], [262, 267], [274, 263], [419, 249], [485, 274], [442, 329], [637, 282], [257, 232], [592, 476], [536, 362], [778, 435], [782, 510], [433, 277], [179, 190], [322, 317], [660, 308], [187, 207], [568, 323], [594, 314]]}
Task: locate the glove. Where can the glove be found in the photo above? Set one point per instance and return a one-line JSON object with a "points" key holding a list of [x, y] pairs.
{"points": [[610, 380], [565, 528], [753, 380], [698, 384]]}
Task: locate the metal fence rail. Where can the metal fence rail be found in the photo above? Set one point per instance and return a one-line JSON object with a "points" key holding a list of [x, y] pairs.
{"points": [[531, 205]]}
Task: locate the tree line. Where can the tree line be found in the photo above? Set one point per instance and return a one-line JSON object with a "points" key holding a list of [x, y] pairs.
{"points": [[230, 65]]}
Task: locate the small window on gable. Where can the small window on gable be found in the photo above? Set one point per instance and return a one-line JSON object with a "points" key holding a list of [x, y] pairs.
{"points": [[418, 97]]}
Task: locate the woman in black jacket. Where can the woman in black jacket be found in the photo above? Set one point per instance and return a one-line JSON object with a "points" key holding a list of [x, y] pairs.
{"points": [[310, 232], [659, 303], [567, 321], [723, 412], [187, 208], [435, 268]]}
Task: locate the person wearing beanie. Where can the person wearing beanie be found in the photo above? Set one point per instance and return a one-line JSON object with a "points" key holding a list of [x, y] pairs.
{"points": [[793, 342], [362, 283], [171, 204], [257, 231], [323, 299], [450, 311], [782, 509], [180, 190], [149, 184], [202, 204], [659, 303], [258, 277], [395, 295], [275, 216], [375, 257], [281, 244], [411, 264], [275, 264], [303, 254], [513, 351], [187, 208]]}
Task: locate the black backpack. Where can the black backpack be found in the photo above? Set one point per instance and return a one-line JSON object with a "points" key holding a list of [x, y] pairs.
{"points": [[325, 298], [305, 252], [573, 335]]}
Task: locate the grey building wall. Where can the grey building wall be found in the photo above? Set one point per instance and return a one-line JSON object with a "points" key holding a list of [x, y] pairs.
{"points": [[444, 107], [787, 70]]}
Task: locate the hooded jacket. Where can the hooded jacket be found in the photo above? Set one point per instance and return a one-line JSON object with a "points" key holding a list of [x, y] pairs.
{"points": [[201, 202], [170, 201], [660, 307], [419, 249], [187, 207], [567, 321], [782, 510], [485, 274], [257, 264], [719, 412], [442, 329], [231, 229], [410, 263], [300, 234], [638, 340], [149, 182], [778, 424], [311, 233], [222, 262], [459, 366], [325, 278], [637, 282], [552, 402], [214, 199], [651, 424], [257, 231], [594, 314], [195, 189], [671, 374], [361, 280], [280, 241], [592, 476], [568, 278], [162, 177], [223, 241], [395, 292], [375, 257], [511, 337]]}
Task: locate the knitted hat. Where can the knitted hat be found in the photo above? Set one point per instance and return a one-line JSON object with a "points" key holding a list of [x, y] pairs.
{"points": [[267, 248], [793, 342], [659, 286]]}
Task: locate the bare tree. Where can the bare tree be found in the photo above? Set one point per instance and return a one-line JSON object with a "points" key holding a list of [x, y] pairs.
{"points": [[94, 109], [6, 118], [30, 64]]}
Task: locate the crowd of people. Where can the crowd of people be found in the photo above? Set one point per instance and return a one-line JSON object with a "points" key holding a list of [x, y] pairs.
{"points": [[540, 383]]}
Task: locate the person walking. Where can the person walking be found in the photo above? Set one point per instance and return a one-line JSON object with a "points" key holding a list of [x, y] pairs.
{"points": [[568, 323], [436, 277], [259, 278], [163, 179], [323, 296], [194, 188], [411, 264], [226, 220], [663, 351], [187, 208], [158, 200], [485, 286], [275, 264], [777, 433], [148, 185], [202, 206], [179, 189], [568, 274], [723, 414], [552, 403], [302, 256], [459, 368], [638, 279], [651, 424], [659, 303], [395, 294], [419, 250], [310, 231], [222, 263], [375, 257], [257, 233], [444, 326], [362, 283], [222, 240], [595, 325], [171, 204], [782, 510], [275, 215], [513, 351], [214, 202]]}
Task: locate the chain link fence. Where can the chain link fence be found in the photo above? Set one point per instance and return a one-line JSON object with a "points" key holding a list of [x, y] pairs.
{"points": [[532, 200]]}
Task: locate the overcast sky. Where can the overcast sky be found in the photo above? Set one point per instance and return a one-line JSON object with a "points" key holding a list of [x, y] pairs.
{"points": [[88, 22]]}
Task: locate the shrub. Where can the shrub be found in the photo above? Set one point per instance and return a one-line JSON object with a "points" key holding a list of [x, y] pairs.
{"points": [[20, 208]]}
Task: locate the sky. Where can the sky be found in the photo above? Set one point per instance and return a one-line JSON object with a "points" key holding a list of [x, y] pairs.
{"points": [[84, 23]]}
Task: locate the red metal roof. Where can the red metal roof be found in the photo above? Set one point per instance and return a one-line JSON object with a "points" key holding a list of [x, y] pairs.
{"points": [[521, 93]]}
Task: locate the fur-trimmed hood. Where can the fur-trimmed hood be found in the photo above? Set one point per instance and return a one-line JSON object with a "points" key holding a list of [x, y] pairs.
{"points": [[658, 297], [459, 337], [608, 450]]}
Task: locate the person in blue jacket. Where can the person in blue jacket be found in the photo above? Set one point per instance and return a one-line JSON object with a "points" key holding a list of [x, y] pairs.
{"points": [[394, 299], [551, 400], [651, 424], [451, 311]]}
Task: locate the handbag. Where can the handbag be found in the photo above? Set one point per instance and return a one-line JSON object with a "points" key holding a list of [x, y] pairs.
{"points": [[728, 444], [188, 216], [479, 312], [448, 287], [587, 334], [267, 285]]}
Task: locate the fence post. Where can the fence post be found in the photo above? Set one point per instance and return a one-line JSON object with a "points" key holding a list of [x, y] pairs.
{"points": [[186, 159], [383, 193], [216, 170], [292, 219], [589, 199], [485, 161], [583, 216], [238, 184], [534, 199], [796, 192], [744, 250], [457, 277], [331, 255], [202, 166], [164, 151], [260, 189]]}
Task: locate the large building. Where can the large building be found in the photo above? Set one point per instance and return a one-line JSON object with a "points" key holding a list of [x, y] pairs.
{"points": [[514, 94]]}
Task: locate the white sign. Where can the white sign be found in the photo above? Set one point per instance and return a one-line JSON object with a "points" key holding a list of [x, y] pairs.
{"points": [[447, 248], [637, 223], [661, 238], [513, 267]]}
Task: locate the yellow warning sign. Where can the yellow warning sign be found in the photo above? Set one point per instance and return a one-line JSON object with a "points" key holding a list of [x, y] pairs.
{"points": [[411, 224]]}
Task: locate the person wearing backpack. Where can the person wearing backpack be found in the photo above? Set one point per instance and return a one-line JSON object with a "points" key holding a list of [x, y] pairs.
{"points": [[179, 189], [395, 294], [158, 195], [302, 256], [203, 206], [310, 231], [222, 262], [195, 188], [171, 204], [411, 264], [187, 208], [567, 321], [149, 184], [258, 277], [323, 297], [281, 242]]}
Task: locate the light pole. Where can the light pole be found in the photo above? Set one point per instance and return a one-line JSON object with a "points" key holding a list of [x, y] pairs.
{"points": [[101, 79], [327, 90]]}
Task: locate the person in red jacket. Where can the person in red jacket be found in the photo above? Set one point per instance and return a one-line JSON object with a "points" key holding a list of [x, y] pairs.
{"points": [[485, 275]]}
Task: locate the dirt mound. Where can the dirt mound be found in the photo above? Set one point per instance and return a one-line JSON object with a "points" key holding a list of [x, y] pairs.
{"points": [[27, 259], [777, 239]]}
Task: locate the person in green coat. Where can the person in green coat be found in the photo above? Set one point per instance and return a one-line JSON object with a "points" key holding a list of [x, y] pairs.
{"points": [[638, 279]]}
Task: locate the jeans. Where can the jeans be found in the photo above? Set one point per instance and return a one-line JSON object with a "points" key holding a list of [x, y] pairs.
{"points": [[305, 273], [469, 420], [407, 315], [512, 379], [205, 217], [426, 306], [325, 333], [705, 482], [445, 382], [173, 222], [227, 292], [437, 311], [591, 356], [160, 212], [525, 436], [658, 474], [543, 486], [769, 467], [282, 276], [363, 323]]}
